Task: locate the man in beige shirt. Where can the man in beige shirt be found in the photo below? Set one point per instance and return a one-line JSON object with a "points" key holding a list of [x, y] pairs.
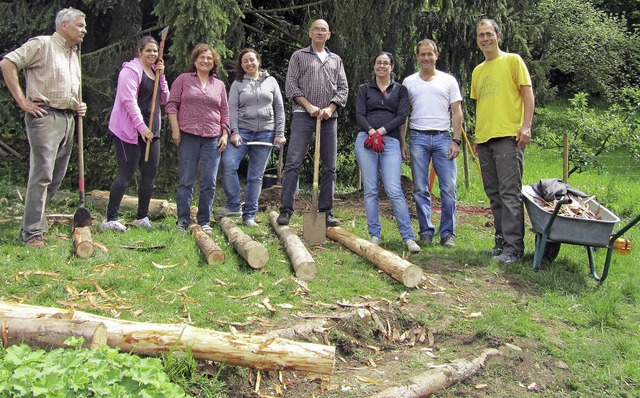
{"points": [[52, 71]]}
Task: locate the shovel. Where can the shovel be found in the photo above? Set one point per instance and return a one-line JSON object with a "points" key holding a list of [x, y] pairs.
{"points": [[314, 229], [82, 217]]}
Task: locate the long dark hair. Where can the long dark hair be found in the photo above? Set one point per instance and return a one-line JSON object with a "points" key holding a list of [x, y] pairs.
{"points": [[239, 70], [142, 43], [391, 59]]}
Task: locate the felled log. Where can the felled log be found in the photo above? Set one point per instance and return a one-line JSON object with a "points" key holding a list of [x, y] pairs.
{"points": [[51, 333], [254, 253], [432, 381], [82, 242], [158, 208], [257, 352], [399, 269], [208, 246], [299, 256]]}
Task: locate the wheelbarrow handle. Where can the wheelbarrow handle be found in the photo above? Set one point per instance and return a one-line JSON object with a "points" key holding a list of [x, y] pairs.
{"points": [[607, 261]]}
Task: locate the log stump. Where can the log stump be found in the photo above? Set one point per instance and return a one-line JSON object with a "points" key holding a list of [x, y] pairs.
{"points": [[82, 242], [300, 258], [254, 253], [211, 251], [399, 269]]}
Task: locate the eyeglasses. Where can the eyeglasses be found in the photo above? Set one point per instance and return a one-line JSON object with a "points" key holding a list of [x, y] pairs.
{"points": [[383, 63]]}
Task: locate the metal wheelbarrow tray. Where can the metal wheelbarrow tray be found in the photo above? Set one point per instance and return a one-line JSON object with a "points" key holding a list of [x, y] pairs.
{"points": [[552, 229]]}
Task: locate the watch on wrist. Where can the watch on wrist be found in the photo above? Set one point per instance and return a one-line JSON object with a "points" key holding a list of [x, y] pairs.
{"points": [[457, 141]]}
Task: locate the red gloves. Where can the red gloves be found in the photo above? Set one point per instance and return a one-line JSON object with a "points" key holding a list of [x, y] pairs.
{"points": [[375, 141]]}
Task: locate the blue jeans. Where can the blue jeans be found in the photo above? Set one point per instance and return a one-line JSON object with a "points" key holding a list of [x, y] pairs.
{"points": [[389, 162], [434, 148], [502, 164], [194, 150], [258, 158]]}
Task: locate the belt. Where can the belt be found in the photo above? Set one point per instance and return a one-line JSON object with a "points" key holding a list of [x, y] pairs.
{"points": [[431, 132], [56, 110]]}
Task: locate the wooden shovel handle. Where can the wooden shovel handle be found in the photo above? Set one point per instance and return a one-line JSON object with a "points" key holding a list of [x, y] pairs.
{"points": [[316, 166]]}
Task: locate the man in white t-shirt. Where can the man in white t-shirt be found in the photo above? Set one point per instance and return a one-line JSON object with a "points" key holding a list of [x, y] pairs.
{"points": [[435, 102]]}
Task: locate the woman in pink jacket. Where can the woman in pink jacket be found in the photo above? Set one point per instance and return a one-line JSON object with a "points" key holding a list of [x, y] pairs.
{"points": [[129, 124]]}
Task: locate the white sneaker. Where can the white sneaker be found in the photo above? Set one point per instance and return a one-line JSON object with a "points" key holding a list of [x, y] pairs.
{"points": [[375, 240], [114, 225], [412, 246], [206, 228], [143, 223]]}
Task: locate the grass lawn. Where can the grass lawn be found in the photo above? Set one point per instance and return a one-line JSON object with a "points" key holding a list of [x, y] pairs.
{"points": [[577, 338]]}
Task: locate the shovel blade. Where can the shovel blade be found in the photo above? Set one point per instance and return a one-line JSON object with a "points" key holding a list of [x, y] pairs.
{"points": [[82, 218], [314, 228]]}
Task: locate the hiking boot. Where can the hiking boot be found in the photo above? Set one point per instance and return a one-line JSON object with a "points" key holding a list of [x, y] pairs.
{"points": [[283, 218], [375, 240], [113, 225], [496, 251], [143, 223], [35, 241], [507, 258], [331, 221], [227, 213], [426, 239], [206, 228], [412, 246], [448, 242], [250, 223]]}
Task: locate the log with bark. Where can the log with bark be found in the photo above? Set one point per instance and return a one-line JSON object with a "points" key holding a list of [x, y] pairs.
{"points": [[401, 270], [254, 253], [299, 256], [158, 208], [211, 251], [82, 242], [257, 352], [51, 333], [430, 382]]}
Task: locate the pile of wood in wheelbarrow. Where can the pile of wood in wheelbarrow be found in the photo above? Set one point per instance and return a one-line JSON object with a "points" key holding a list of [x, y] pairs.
{"points": [[578, 208]]}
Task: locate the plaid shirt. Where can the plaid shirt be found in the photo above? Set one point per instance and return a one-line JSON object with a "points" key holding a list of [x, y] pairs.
{"points": [[321, 83], [52, 70]]}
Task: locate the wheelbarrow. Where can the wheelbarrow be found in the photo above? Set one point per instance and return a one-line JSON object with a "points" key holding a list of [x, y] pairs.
{"points": [[552, 230]]}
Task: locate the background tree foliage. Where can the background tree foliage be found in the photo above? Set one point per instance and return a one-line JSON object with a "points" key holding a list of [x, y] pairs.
{"points": [[570, 46]]}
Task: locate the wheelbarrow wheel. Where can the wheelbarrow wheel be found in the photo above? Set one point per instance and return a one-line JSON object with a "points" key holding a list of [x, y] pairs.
{"points": [[551, 251]]}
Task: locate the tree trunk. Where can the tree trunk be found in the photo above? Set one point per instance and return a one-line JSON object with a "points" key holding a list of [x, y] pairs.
{"points": [[158, 208], [430, 382], [299, 256], [48, 333], [257, 352], [401, 270], [210, 249], [255, 254], [82, 242]]}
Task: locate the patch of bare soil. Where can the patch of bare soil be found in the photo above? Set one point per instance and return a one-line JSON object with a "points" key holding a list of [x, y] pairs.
{"points": [[381, 344]]}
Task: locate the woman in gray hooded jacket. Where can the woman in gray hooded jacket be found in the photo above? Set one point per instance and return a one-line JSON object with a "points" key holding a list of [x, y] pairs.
{"points": [[257, 123]]}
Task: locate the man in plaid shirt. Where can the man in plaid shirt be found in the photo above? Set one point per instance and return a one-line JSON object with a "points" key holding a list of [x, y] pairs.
{"points": [[317, 86]]}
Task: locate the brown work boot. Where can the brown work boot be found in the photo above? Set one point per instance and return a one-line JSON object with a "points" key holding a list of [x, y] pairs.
{"points": [[35, 241]]}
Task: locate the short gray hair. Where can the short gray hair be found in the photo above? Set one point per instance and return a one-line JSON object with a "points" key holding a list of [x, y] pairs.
{"points": [[68, 14]]}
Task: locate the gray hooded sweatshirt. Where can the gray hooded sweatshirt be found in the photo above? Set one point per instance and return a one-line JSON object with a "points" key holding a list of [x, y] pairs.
{"points": [[256, 105]]}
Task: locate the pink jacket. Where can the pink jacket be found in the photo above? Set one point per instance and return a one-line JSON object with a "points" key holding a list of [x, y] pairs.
{"points": [[126, 119]]}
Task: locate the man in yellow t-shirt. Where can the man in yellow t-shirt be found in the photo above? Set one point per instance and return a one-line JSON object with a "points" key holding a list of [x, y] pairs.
{"points": [[501, 86]]}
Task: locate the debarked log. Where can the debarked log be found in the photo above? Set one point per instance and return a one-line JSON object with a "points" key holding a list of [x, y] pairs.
{"points": [[82, 242], [399, 269], [432, 381], [299, 256], [51, 333], [211, 251], [158, 208], [257, 352], [254, 253]]}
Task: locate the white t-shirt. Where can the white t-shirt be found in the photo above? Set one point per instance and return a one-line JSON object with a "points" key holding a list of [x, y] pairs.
{"points": [[430, 101]]}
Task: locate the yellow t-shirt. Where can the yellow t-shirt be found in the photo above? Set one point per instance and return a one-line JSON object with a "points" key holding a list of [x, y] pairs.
{"points": [[495, 85]]}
